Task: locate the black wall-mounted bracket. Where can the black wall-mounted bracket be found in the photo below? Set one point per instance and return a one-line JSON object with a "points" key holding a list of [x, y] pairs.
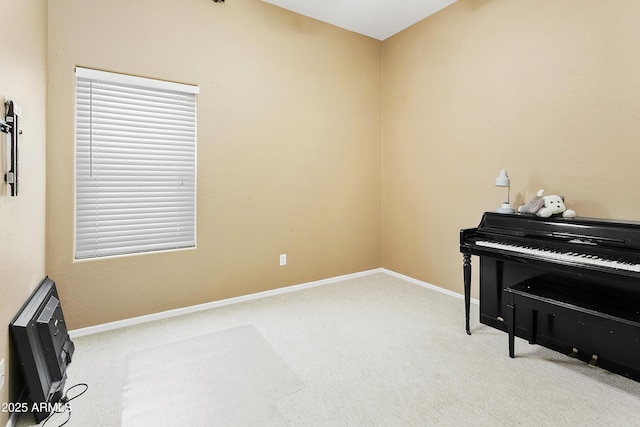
{"points": [[11, 126], [4, 126]]}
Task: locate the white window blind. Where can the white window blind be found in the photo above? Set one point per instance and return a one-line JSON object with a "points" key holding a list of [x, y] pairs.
{"points": [[135, 164]]}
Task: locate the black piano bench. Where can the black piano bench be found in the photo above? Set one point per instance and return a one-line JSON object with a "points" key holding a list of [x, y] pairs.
{"points": [[601, 328]]}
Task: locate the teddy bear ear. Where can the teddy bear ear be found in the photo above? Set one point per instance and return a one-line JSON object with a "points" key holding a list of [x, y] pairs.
{"points": [[537, 204], [562, 197]]}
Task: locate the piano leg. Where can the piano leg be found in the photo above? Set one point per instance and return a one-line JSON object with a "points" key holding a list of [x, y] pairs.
{"points": [[466, 266], [511, 326], [533, 322]]}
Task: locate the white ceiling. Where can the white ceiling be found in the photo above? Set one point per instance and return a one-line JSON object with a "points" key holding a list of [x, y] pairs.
{"points": [[374, 18]]}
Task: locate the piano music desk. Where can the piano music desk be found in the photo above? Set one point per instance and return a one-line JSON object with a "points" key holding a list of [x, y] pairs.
{"points": [[604, 316]]}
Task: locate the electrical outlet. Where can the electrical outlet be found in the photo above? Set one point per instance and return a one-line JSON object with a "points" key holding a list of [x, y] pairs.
{"points": [[283, 259], [1, 373]]}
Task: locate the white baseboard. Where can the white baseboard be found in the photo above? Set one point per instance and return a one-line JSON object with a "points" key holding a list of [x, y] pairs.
{"points": [[206, 306], [195, 308], [427, 285]]}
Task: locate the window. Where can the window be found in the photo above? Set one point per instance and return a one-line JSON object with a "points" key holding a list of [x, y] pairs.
{"points": [[135, 164]]}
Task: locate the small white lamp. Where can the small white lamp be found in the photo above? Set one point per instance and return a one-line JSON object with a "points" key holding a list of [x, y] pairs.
{"points": [[503, 181]]}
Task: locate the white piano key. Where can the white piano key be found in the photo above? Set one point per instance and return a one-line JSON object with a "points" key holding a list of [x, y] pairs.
{"points": [[587, 259]]}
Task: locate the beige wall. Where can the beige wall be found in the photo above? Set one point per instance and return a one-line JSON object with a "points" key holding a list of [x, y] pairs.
{"points": [[22, 218], [549, 90], [289, 148]]}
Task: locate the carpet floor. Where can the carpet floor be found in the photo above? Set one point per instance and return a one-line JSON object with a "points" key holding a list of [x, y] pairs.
{"points": [[233, 375], [372, 350]]}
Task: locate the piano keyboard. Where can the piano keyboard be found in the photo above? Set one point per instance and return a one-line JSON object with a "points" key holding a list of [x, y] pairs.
{"points": [[576, 257]]}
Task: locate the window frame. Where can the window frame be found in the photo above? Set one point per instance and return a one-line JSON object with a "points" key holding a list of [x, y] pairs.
{"points": [[180, 138]]}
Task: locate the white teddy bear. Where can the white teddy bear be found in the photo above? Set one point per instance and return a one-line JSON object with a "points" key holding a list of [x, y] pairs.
{"points": [[545, 206]]}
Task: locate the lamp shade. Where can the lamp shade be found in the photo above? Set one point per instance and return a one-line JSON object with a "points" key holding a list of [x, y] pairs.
{"points": [[502, 180]]}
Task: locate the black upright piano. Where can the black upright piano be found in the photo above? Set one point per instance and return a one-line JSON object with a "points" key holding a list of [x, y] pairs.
{"points": [[571, 285]]}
